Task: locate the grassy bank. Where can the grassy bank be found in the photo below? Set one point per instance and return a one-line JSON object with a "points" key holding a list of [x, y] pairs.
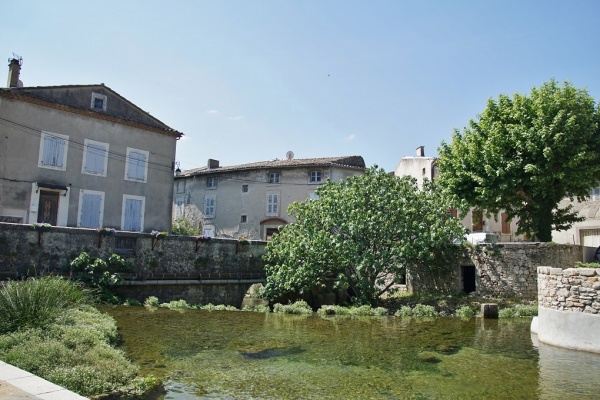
{"points": [[49, 327]]}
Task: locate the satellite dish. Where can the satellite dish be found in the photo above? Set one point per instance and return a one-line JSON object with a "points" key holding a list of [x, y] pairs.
{"points": [[289, 155]]}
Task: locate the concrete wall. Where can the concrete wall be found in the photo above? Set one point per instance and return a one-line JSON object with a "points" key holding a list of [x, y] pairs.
{"points": [[569, 305], [19, 170], [231, 202], [585, 233]]}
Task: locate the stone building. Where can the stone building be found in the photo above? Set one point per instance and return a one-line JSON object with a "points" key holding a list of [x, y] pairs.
{"points": [[82, 156], [251, 200]]}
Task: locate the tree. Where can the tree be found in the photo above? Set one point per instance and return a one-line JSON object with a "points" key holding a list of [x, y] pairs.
{"points": [[524, 155], [362, 233]]}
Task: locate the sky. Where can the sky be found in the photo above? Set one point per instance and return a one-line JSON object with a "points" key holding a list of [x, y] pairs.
{"points": [[248, 81]]}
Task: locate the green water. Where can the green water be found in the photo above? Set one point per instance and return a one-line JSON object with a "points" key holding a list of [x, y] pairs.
{"points": [[243, 355]]}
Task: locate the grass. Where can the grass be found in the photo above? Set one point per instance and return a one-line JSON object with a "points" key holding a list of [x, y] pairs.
{"points": [[519, 311]]}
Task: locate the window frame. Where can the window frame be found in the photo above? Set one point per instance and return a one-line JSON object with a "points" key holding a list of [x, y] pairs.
{"points": [[243, 219], [315, 176], [98, 96], [212, 207], [129, 164], [274, 178], [80, 210], [211, 182], [65, 144], [272, 207], [95, 144], [142, 211], [245, 188]]}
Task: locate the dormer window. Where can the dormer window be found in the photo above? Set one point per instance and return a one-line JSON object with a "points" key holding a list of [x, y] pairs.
{"points": [[98, 102]]}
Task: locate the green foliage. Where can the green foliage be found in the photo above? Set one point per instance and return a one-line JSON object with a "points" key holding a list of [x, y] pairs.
{"points": [[182, 226], [518, 311], [299, 307], [257, 308], [152, 302], [220, 307], [360, 311], [75, 352], [524, 155], [132, 302], [579, 264], [362, 233], [419, 310], [37, 302], [177, 305], [99, 274], [466, 312]]}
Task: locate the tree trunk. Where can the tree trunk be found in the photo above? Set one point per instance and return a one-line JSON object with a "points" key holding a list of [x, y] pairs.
{"points": [[543, 223]]}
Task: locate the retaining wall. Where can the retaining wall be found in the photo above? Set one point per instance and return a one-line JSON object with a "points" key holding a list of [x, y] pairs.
{"points": [[569, 308]]}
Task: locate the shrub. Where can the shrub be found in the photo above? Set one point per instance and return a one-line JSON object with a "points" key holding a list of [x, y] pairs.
{"points": [[258, 308], [99, 274], [132, 302], [519, 310], [220, 307], [177, 305], [182, 226], [419, 310], [151, 302], [365, 310], [37, 302], [579, 264], [465, 312], [299, 307]]}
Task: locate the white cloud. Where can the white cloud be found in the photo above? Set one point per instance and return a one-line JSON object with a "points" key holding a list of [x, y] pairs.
{"points": [[236, 118], [350, 137]]}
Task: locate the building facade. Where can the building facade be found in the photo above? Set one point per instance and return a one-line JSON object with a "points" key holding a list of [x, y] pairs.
{"points": [[83, 156], [251, 200]]}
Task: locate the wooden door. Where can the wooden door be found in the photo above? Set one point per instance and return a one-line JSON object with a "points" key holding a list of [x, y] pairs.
{"points": [[48, 207]]}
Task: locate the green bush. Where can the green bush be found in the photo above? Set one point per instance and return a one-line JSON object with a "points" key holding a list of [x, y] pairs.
{"points": [[258, 308], [99, 274], [152, 302], [365, 310], [419, 310], [182, 226], [132, 302], [299, 307], [177, 305], [518, 311], [465, 312], [220, 307], [579, 264], [37, 302]]}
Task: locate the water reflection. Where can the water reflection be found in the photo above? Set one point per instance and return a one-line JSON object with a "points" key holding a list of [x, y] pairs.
{"points": [[241, 355]]}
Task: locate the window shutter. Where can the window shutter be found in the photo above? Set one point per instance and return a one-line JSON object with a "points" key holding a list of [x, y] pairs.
{"points": [[95, 159], [53, 151], [137, 165], [90, 210], [133, 215]]}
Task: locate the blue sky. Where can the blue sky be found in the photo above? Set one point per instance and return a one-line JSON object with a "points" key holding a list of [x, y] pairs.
{"points": [[249, 80]]}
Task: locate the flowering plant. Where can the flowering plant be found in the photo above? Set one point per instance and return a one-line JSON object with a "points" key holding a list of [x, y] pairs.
{"points": [[157, 234], [106, 231], [41, 226], [243, 240]]}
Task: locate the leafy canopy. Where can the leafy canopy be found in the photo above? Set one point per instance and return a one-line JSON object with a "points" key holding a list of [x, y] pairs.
{"points": [[524, 155], [361, 233]]}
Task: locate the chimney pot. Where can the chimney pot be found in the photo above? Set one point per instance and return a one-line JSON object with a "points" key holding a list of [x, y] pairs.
{"points": [[421, 151], [213, 163]]}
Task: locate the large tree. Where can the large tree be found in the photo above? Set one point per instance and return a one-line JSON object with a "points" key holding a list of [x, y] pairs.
{"points": [[362, 233], [524, 155]]}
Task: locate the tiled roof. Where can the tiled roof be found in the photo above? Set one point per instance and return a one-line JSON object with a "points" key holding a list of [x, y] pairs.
{"points": [[352, 162], [65, 98]]}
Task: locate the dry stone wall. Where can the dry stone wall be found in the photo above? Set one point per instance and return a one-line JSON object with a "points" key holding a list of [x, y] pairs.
{"points": [[572, 289]]}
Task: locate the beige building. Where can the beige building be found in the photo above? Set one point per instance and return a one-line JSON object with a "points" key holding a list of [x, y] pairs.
{"points": [[422, 167], [82, 156], [251, 200]]}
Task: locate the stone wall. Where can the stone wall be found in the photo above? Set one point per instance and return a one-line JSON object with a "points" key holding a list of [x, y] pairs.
{"points": [[27, 252], [568, 305], [572, 289]]}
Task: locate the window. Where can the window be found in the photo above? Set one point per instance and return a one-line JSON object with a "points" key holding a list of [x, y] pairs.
{"points": [[53, 151], [244, 188], [505, 224], [477, 221], [273, 177], [133, 213], [98, 102], [315, 176], [211, 182], [91, 209], [209, 206], [95, 158], [272, 203], [595, 193], [137, 165], [209, 232], [243, 219], [313, 196]]}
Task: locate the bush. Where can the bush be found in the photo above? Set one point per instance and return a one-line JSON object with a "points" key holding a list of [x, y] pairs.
{"points": [[258, 308], [177, 305], [132, 302], [37, 302], [465, 312], [220, 307], [99, 274], [365, 310], [182, 226], [518, 311], [299, 307], [419, 310], [152, 302]]}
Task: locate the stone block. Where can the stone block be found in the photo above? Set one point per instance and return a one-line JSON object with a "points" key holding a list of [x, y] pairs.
{"points": [[489, 310]]}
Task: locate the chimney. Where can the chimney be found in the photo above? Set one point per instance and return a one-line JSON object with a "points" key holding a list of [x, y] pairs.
{"points": [[14, 68], [421, 151], [213, 163]]}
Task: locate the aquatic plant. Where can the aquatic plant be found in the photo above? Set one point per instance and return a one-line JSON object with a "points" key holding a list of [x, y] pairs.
{"points": [[465, 312], [419, 310], [519, 310], [151, 302], [299, 307]]}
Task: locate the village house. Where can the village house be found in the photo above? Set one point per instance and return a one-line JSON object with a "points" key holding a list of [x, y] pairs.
{"points": [[251, 200], [82, 156], [423, 167]]}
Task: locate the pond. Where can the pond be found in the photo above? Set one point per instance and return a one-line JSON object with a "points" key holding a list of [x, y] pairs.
{"points": [[245, 355]]}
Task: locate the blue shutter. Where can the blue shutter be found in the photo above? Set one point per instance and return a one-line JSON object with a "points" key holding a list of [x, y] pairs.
{"points": [[54, 150], [90, 210], [94, 161], [133, 215], [137, 166]]}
